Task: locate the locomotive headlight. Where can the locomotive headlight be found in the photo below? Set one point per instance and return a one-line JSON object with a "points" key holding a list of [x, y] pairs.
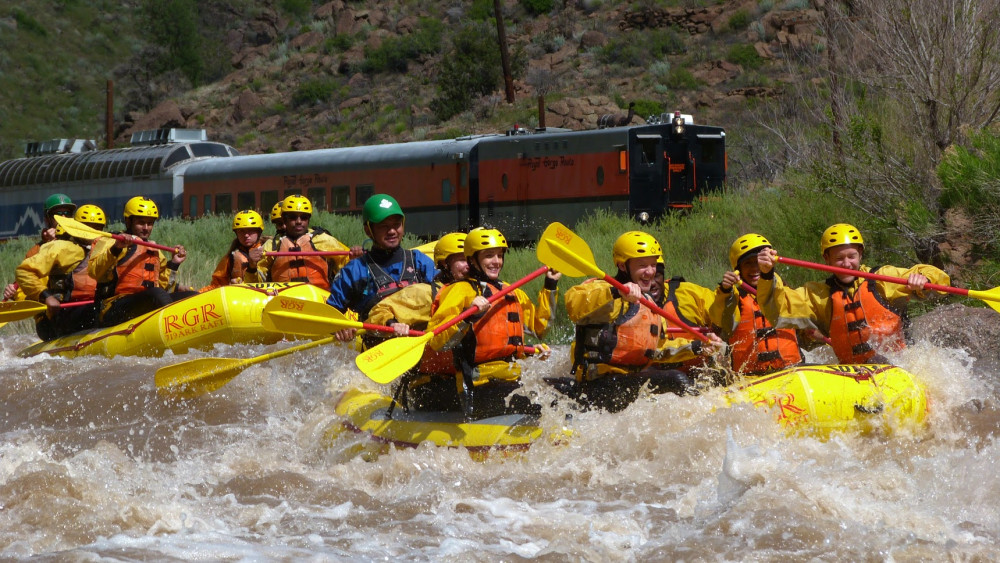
{"points": [[643, 216]]}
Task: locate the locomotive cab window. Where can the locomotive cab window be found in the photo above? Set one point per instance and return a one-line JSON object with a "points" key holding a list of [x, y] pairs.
{"points": [[649, 146]]}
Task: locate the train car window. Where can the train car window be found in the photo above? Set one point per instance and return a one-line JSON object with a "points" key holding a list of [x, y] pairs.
{"points": [[223, 203], [267, 200], [504, 181], [193, 205], [600, 175], [364, 191], [317, 196], [446, 190], [246, 200], [341, 197], [293, 191], [208, 149], [179, 155], [207, 207]]}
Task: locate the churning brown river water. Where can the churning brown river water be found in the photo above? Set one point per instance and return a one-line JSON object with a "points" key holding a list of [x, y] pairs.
{"points": [[95, 465]]}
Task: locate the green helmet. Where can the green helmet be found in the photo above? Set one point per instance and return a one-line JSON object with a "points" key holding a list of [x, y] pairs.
{"points": [[380, 206], [58, 200]]}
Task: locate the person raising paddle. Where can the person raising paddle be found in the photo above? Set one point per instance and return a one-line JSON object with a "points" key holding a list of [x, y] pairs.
{"points": [[238, 266], [131, 279], [618, 338], [757, 347], [486, 345], [55, 204], [383, 270], [863, 318], [57, 274]]}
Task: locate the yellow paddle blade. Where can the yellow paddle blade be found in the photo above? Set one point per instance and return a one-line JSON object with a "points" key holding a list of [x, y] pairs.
{"points": [[194, 378], [78, 230], [990, 296], [298, 316], [390, 359], [562, 250], [11, 311], [427, 248]]}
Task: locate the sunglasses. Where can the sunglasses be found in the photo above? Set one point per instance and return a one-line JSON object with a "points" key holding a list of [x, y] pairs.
{"points": [[62, 212]]}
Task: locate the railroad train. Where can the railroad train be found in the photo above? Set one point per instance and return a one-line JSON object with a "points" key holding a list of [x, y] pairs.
{"points": [[518, 181]]}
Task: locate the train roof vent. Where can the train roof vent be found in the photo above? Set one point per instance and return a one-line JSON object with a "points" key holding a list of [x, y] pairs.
{"points": [[59, 146], [165, 136]]}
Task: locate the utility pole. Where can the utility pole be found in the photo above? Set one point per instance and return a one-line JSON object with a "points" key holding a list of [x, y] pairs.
{"points": [[508, 80]]}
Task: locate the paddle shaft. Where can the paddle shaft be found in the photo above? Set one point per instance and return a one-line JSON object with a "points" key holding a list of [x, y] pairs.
{"points": [[309, 253], [140, 242], [870, 275], [383, 328]]}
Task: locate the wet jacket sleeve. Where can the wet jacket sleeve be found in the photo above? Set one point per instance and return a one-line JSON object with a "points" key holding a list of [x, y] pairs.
{"points": [[676, 350], [593, 302], [724, 312], [32, 275], [102, 260], [694, 302], [451, 302], [168, 272], [805, 308], [220, 277], [898, 294], [327, 243], [425, 265], [410, 305], [536, 318], [347, 288]]}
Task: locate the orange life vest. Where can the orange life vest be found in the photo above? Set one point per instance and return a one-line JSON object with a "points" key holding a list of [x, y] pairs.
{"points": [[862, 323], [498, 334], [239, 260], [77, 285], [627, 342], [310, 269], [757, 346], [136, 271]]}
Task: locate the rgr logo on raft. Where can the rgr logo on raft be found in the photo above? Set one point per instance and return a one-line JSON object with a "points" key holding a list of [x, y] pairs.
{"points": [[191, 321]]}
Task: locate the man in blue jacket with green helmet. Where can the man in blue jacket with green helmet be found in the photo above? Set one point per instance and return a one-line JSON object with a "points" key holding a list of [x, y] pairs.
{"points": [[383, 270]]}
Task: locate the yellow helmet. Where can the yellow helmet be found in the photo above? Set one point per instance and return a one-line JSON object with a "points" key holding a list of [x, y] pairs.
{"points": [[482, 239], [90, 214], [634, 244], [139, 206], [451, 243], [248, 220], [296, 204], [746, 244], [841, 233], [276, 212]]}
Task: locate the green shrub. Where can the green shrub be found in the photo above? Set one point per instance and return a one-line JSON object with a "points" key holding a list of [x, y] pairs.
{"points": [[394, 53], [338, 43], [472, 69], [313, 91], [667, 41], [174, 25], [645, 108], [296, 8], [537, 7], [625, 52], [739, 20], [480, 10], [744, 55], [682, 79], [29, 24]]}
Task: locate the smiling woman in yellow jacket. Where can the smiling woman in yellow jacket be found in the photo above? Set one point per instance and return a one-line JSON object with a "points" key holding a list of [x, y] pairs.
{"points": [[862, 317], [487, 345]]}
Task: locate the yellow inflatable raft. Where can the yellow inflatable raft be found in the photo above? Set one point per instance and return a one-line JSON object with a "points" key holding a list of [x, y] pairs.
{"points": [[820, 399], [227, 315], [812, 400], [368, 414]]}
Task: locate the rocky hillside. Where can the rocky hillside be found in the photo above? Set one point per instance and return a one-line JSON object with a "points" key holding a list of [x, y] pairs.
{"points": [[297, 76]]}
